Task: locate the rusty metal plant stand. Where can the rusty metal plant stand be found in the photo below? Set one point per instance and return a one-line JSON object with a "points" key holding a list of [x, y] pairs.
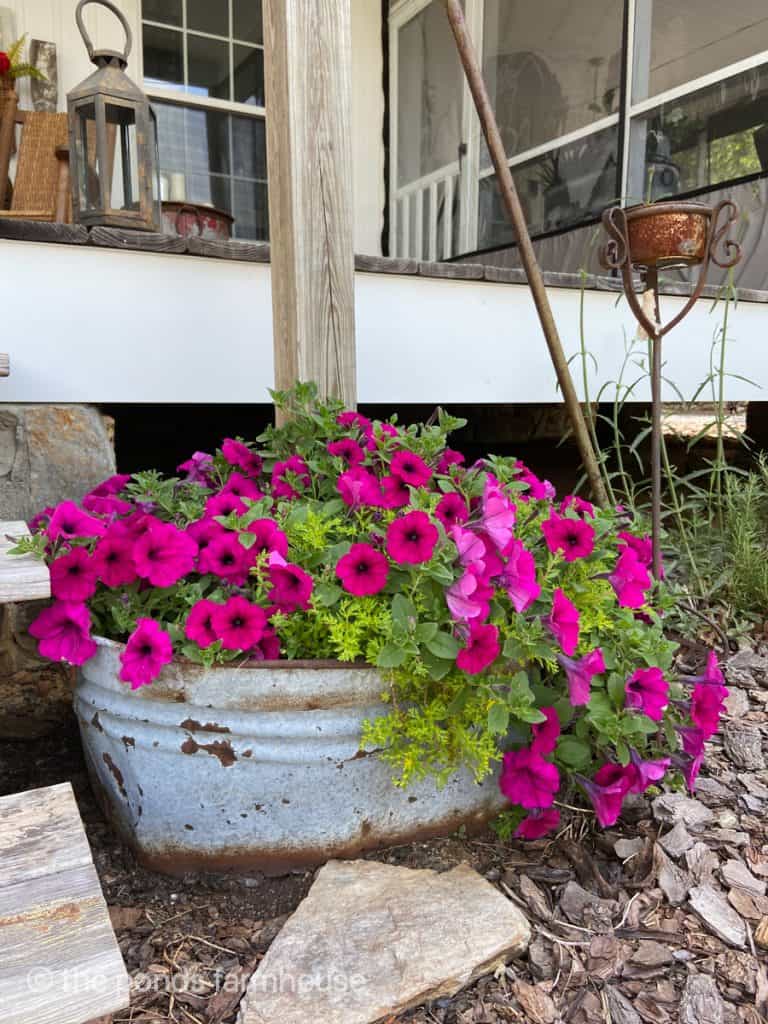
{"points": [[667, 245]]}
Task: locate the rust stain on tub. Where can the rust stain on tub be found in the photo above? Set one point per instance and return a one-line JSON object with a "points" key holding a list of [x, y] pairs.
{"points": [[118, 775], [128, 741], [221, 749], [193, 726], [96, 723]]}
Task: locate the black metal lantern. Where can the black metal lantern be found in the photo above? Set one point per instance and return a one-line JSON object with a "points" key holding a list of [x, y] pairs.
{"points": [[113, 155]]}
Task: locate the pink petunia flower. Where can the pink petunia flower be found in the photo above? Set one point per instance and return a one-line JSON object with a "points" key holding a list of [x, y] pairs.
{"points": [[106, 505], [580, 506], [238, 624], [471, 548], [630, 580], [354, 419], [363, 570], [690, 766], [114, 484], [607, 790], [580, 674], [538, 824], [528, 780], [647, 773], [712, 674], [539, 490], [468, 598], [410, 468], [449, 458], [204, 532], [281, 488], [199, 625], [498, 513], [40, 521], [73, 576], [411, 539], [238, 454], [452, 510], [149, 648], [359, 488], [648, 691], [198, 469], [481, 649], [113, 560], [269, 537], [268, 648], [707, 707], [518, 576], [164, 554], [347, 450], [223, 504], [69, 521], [243, 487], [546, 734], [63, 632], [395, 492], [563, 622], [377, 433], [573, 538], [226, 557], [693, 739], [291, 588]]}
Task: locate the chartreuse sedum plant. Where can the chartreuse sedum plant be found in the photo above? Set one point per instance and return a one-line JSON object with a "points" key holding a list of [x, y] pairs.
{"points": [[509, 627]]}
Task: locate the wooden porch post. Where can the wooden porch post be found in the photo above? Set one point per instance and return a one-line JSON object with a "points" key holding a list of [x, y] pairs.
{"points": [[308, 61]]}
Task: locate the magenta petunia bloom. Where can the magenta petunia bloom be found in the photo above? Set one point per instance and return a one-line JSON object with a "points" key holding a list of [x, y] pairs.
{"points": [[563, 622], [106, 505], [238, 624], [199, 625], [579, 505], [468, 598], [481, 650], [498, 513], [63, 632], [69, 521], [693, 739], [539, 490], [642, 547], [538, 824], [648, 691], [243, 487], [198, 469], [363, 570], [224, 504], [113, 560], [204, 532], [573, 538], [580, 674], [164, 554], [452, 510], [630, 580], [546, 734], [712, 674], [707, 706], [689, 765], [347, 450], [607, 790], [149, 648], [647, 773], [359, 488], [354, 419], [470, 547], [269, 537], [226, 557], [528, 780], [291, 588], [518, 577], [281, 488], [114, 484], [41, 520], [410, 468], [395, 492], [375, 435], [238, 454], [73, 576], [449, 458], [411, 539], [268, 648]]}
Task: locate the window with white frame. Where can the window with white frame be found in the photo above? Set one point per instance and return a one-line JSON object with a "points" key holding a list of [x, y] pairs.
{"points": [[598, 101], [204, 71]]}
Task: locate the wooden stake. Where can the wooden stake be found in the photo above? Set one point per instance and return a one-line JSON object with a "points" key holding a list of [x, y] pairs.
{"points": [[308, 59]]}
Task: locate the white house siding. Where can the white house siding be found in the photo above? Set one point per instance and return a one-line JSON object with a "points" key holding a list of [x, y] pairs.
{"points": [[54, 21], [87, 324]]}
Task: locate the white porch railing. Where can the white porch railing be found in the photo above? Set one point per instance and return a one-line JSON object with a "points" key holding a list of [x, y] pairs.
{"points": [[425, 215]]}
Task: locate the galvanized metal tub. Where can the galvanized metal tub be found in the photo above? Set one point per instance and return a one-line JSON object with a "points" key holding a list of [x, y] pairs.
{"points": [[254, 768]]}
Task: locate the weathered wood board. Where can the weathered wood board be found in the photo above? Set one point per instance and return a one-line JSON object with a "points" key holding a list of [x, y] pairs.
{"points": [[59, 959], [22, 577]]}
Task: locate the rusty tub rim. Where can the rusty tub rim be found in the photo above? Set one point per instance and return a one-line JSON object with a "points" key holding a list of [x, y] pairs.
{"points": [[663, 206]]}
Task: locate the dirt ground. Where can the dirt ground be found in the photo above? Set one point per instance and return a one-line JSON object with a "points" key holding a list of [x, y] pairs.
{"points": [[660, 920]]}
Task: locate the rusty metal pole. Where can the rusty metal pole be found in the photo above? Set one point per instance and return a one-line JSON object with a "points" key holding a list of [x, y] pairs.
{"points": [[527, 255]]}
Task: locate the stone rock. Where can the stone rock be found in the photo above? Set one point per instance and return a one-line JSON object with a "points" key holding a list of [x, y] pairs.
{"points": [[754, 784], [702, 863], [621, 1009], [538, 1006], [736, 703], [761, 933], [673, 882], [372, 940], [677, 841], [701, 1002], [744, 744], [626, 848], [742, 668], [737, 875], [584, 909], [728, 837], [652, 954], [712, 791], [718, 916], [671, 808], [744, 905]]}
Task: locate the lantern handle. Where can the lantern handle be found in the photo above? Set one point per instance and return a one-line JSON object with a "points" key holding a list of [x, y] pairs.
{"points": [[95, 55]]}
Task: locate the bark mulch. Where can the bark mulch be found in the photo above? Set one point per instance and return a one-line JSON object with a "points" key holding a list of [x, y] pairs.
{"points": [[663, 919]]}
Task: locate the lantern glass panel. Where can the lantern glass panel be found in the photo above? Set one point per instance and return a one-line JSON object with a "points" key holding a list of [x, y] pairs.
{"points": [[123, 155], [87, 158]]}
